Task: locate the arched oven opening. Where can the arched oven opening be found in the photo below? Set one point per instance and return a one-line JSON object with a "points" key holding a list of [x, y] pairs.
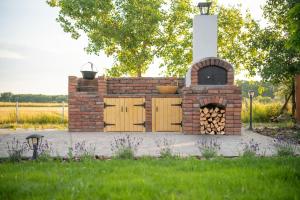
{"points": [[212, 75]]}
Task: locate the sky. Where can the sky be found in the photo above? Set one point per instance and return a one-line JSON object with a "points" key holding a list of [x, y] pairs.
{"points": [[37, 56]]}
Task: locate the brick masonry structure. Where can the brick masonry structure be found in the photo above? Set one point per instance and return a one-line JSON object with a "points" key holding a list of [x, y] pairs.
{"points": [[86, 98], [196, 96]]}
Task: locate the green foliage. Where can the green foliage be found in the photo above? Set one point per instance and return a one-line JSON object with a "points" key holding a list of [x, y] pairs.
{"points": [[262, 112], [124, 153], [137, 32], [250, 149], [236, 42], [209, 148], [260, 88], [125, 147], [164, 145], [285, 148], [275, 178], [16, 149], [294, 24], [280, 63]]}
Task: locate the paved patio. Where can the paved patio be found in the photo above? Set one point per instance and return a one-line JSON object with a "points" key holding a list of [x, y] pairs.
{"points": [[184, 145]]}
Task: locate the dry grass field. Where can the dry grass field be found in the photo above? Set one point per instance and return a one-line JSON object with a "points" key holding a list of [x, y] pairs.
{"points": [[43, 115]]}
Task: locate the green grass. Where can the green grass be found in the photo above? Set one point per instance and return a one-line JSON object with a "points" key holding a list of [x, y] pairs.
{"points": [[252, 178]]}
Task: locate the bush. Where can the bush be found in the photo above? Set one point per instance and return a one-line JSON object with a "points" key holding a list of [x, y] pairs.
{"points": [[84, 152], [164, 146], [16, 149], [44, 151], [125, 147], [262, 112], [208, 147], [284, 148], [250, 148]]}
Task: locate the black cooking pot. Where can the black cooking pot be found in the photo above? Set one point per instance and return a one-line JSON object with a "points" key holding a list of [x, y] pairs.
{"points": [[88, 74]]}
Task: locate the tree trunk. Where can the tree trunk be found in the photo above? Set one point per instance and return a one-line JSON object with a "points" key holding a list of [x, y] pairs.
{"points": [[139, 72], [285, 103], [293, 99]]}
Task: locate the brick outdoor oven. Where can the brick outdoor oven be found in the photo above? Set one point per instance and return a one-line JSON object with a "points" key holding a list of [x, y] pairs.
{"points": [[206, 102]]}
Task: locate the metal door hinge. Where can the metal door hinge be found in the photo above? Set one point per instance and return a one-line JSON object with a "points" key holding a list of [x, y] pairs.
{"points": [[177, 104], [179, 124], [108, 105], [141, 124], [108, 124], [142, 105]]}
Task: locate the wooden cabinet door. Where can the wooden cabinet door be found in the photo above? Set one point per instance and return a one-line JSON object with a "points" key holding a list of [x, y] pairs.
{"points": [[114, 114], [124, 114], [166, 114], [134, 114]]}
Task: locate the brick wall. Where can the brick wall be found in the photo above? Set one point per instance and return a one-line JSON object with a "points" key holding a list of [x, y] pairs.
{"points": [[86, 98], [85, 107], [144, 85], [86, 101], [228, 96]]}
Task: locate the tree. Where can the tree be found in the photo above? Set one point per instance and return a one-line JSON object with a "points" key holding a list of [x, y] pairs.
{"points": [[235, 42], [293, 18], [281, 62], [131, 31], [136, 32]]}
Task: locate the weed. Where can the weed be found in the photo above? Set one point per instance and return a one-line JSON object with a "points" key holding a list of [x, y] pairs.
{"points": [[208, 147], [125, 147]]}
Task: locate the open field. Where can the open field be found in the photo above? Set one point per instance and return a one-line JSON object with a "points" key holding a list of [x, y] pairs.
{"points": [[148, 178], [32, 104], [44, 115]]}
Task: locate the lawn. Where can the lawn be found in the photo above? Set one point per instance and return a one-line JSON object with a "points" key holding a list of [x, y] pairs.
{"points": [[240, 178]]}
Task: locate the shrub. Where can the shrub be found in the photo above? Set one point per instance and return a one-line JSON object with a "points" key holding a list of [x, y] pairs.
{"points": [[164, 146], [262, 112], [125, 147], [16, 149], [208, 147], [250, 148], [84, 152], [44, 151], [284, 148]]}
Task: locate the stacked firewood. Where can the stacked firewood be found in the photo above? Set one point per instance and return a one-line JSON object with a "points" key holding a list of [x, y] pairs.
{"points": [[212, 121]]}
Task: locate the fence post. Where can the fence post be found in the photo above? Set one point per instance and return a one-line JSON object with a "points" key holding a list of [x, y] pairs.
{"points": [[17, 111], [63, 112]]}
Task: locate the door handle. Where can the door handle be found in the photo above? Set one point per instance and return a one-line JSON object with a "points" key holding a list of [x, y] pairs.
{"points": [[126, 109], [121, 108], [156, 108]]}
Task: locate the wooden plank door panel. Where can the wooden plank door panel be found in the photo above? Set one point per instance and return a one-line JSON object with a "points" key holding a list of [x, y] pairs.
{"points": [[114, 115], [134, 114], [122, 114], [166, 114]]}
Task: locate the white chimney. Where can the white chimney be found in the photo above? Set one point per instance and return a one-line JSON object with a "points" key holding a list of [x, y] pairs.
{"points": [[204, 40], [204, 37]]}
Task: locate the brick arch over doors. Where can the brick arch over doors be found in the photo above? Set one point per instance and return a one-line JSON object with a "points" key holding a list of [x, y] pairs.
{"points": [[212, 61]]}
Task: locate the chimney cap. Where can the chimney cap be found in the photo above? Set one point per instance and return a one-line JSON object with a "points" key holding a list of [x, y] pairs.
{"points": [[204, 7]]}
